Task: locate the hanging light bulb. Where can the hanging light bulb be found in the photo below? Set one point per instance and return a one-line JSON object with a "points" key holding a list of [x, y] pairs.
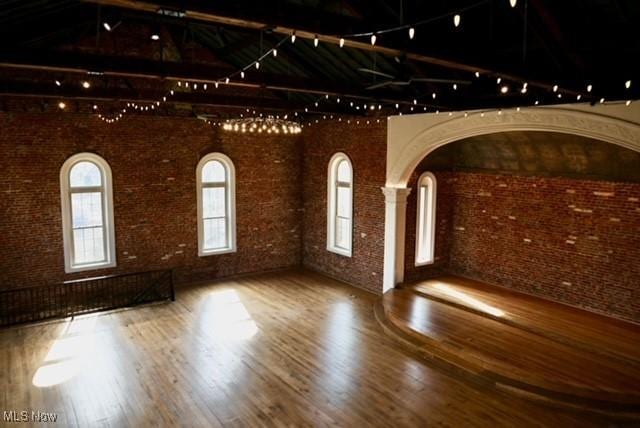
{"points": [[242, 74], [513, 3], [498, 80], [555, 88], [433, 95], [257, 65], [341, 42], [477, 74], [456, 20], [412, 33], [275, 52], [86, 84], [205, 86], [373, 39], [226, 80], [293, 37], [628, 103], [589, 88], [215, 84], [58, 83], [601, 100], [62, 105], [315, 41], [627, 84], [578, 97], [504, 89], [455, 86]]}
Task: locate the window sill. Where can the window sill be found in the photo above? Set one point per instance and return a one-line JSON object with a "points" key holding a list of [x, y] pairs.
{"points": [[427, 263], [93, 266], [339, 251], [205, 253]]}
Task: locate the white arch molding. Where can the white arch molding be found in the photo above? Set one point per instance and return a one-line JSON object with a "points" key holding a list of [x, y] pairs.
{"points": [[411, 138]]}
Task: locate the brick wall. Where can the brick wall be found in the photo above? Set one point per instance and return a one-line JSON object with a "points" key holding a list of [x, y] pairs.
{"points": [[366, 147], [153, 160], [574, 241]]}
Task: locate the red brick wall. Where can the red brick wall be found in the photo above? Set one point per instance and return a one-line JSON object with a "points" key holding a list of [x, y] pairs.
{"points": [[153, 160], [366, 147], [574, 241]]}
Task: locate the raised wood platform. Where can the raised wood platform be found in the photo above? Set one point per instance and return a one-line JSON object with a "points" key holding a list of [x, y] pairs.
{"points": [[543, 350]]}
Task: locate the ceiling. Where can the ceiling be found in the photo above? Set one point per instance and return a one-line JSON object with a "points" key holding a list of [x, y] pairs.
{"points": [[569, 43], [537, 153]]}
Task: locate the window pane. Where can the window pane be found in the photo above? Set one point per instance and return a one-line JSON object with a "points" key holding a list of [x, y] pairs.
{"points": [[343, 228], [344, 171], [215, 233], [213, 172], [213, 202], [88, 245], [86, 209], [85, 174], [344, 202]]}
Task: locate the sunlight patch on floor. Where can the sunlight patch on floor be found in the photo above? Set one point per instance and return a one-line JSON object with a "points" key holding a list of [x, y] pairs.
{"points": [[471, 301]]}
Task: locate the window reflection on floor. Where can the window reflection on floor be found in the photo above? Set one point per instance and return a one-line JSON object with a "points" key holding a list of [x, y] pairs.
{"points": [[471, 301], [225, 316]]}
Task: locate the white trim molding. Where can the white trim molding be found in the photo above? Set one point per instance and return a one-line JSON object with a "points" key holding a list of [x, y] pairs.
{"points": [[108, 226], [427, 187], [395, 215], [333, 184], [229, 185]]}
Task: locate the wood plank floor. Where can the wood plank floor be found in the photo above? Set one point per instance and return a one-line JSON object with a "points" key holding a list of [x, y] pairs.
{"points": [[281, 349], [464, 324]]}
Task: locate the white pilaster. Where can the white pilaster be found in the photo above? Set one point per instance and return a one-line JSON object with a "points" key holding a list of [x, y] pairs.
{"points": [[394, 233]]}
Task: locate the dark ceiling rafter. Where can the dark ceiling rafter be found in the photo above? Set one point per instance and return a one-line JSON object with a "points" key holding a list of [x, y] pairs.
{"points": [[197, 13], [60, 62]]}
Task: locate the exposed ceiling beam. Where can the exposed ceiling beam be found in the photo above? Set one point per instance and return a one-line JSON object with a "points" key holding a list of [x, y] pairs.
{"points": [[61, 62], [28, 90], [199, 14]]}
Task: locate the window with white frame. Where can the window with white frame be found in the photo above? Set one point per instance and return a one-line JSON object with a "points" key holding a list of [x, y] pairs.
{"points": [[426, 223], [87, 213], [340, 205], [215, 176]]}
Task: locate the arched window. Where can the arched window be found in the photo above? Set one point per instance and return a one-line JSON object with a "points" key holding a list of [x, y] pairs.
{"points": [[87, 213], [215, 176], [426, 224], [340, 205]]}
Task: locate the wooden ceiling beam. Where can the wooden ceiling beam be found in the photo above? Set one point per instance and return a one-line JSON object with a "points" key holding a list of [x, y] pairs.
{"points": [[191, 12]]}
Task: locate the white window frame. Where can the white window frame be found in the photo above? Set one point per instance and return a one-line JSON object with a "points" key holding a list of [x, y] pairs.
{"points": [[230, 185], [106, 189], [332, 204], [426, 220]]}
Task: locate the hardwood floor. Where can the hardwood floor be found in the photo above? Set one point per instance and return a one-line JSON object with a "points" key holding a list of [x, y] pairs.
{"points": [[530, 346], [280, 349]]}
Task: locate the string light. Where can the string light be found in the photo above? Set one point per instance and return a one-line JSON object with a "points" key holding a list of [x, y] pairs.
{"points": [[498, 80], [155, 37], [628, 103], [513, 3], [555, 88], [627, 84], [477, 74], [341, 42], [257, 65], [412, 33], [455, 86], [275, 52], [373, 39], [95, 107], [589, 88], [504, 89], [315, 41], [578, 97], [86, 84], [601, 100], [62, 105], [58, 83], [456, 20], [242, 74], [293, 37]]}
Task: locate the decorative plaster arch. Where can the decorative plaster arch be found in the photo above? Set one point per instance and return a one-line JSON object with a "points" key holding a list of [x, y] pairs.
{"points": [[411, 138], [611, 128]]}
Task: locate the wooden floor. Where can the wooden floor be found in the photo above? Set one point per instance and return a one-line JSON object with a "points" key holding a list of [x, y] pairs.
{"points": [[527, 345], [281, 349]]}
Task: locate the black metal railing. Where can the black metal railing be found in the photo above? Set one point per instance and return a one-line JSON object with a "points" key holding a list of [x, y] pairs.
{"points": [[83, 296]]}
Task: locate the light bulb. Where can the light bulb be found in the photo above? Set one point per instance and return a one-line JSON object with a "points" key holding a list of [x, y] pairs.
{"points": [[293, 38], [433, 95], [477, 74], [155, 37], [216, 85], [498, 80], [555, 88], [226, 80], [455, 86], [627, 84], [578, 97], [95, 107], [456, 20], [589, 88], [86, 84], [315, 41], [513, 3], [242, 74], [62, 105], [257, 65], [628, 103], [58, 83], [275, 52], [504, 89], [106, 26], [341, 42], [373, 39], [412, 33], [601, 100]]}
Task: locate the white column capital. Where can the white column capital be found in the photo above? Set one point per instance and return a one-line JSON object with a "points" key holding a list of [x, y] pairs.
{"points": [[395, 194]]}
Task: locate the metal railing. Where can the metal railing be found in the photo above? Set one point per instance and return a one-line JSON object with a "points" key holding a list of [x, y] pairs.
{"points": [[84, 296]]}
